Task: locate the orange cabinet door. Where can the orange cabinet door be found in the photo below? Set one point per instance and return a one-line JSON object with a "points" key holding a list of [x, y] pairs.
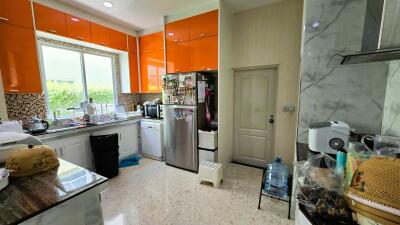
{"points": [[158, 41], [204, 54], [16, 12], [151, 71], [18, 59], [204, 25], [100, 34], [146, 43], [78, 28], [50, 20], [118, 40], [132, 45], [178, 58], [133, 71], [152, 42], [177, 31]]}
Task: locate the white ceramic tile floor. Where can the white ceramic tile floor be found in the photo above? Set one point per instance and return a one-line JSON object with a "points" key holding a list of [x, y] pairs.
{"points": [[153, 193]]}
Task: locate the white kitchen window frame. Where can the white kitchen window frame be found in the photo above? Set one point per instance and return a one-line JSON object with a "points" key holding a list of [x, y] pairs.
{"points": [[83, 72]]}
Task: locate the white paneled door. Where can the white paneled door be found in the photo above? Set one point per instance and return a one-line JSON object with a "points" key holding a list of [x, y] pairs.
{"points": [[254, 116]]}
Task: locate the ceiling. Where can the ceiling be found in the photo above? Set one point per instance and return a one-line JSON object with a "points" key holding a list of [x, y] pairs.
{"points": [[137, 14], [146, 14], [240, 5]]}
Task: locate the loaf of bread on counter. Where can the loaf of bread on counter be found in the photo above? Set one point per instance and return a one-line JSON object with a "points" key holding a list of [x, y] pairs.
{"points": [[32, 160]]}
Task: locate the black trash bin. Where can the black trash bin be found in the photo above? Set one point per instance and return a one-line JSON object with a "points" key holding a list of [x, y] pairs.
{"points": [[106, 155]]}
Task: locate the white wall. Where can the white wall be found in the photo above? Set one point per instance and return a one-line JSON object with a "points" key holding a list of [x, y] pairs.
{"points": [[3, 108], [225, 84], [391, 110], [271, 35], [91, 17]]}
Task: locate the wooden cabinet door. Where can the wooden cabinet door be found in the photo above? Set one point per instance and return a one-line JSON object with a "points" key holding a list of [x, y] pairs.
{"points": [[133, 72], [118, 40], [204, 25], [100, 34], [132, 45], [78, 28], [178, 58], [18, 59], [204, 54], [16, 12], [177, 31], [151, 71], [50, 20]]}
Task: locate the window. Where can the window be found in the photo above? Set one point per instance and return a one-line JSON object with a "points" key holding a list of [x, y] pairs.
{"points": [[73, 76]]}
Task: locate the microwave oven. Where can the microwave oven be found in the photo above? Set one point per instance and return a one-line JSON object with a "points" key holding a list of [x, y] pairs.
{"points": [[153, 111]]}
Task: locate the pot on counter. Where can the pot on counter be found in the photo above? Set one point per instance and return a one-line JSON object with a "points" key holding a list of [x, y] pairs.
{"points": [[38, 126]]}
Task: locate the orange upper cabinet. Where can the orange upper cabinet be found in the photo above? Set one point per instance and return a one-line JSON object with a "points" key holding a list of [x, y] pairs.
{"points": [[100, 34], [151, 71], [132, 45], [204, 54], [177, 31], [133, 72], [78, 28], [16, 12], [133, 65], [151, 42], [204, 25], [18, 59], [118, 40], [178, 58], [50, 20]]}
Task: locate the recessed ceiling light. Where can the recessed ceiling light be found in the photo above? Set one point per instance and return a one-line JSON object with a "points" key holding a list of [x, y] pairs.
{"points": [[108, 4], [170, 34]]}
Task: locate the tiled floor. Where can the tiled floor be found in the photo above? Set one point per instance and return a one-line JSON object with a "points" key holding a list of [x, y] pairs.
{"points": [[153, 193]]}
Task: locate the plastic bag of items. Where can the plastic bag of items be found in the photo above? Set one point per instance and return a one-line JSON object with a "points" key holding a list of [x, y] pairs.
{"points": [[374, 192], [320, 188]]}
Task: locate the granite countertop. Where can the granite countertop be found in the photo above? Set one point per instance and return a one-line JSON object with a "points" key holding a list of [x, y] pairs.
{"points": [[28, 196], [319, 220]]}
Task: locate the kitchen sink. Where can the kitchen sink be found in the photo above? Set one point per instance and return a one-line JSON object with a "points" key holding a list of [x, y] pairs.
{"points": [[64, 127]]}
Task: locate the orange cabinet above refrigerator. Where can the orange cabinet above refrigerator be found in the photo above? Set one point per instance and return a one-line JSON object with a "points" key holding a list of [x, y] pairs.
{"points": [[204, 25], [177, 31], [204, 54]]}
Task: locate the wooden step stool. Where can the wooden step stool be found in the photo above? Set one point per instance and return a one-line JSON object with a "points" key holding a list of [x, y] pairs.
{"points": [[211, 172]]}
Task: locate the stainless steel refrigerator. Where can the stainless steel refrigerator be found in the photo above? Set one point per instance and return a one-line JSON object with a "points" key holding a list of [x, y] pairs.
{"points": [[181, 111]]}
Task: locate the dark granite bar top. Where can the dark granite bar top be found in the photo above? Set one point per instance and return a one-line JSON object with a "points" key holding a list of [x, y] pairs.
{"points": [[26, 197], [319, 220], [302, 151]]}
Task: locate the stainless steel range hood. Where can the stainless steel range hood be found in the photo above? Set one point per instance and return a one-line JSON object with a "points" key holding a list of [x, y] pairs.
{"points": [[381, 34]]}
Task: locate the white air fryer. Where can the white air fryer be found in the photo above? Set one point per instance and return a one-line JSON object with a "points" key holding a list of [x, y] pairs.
{"points": [[328, 137]]}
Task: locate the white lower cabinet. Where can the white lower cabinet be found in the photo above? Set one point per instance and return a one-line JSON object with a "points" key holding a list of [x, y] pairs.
{"points": [[128, 138], [74, 149]]}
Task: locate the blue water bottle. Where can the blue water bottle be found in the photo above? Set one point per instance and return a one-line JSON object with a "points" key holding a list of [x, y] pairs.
{"points": [[276, 179]]}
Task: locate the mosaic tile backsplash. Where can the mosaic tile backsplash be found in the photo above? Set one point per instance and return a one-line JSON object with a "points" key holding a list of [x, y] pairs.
{"points": [[24, 106]]}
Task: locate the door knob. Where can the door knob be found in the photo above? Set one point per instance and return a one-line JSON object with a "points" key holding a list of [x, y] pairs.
{"points": [[271, 119]]}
